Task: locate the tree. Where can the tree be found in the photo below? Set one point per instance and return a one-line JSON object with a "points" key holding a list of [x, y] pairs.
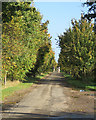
{"points": [[78, 49], [92, 14], [23, 36]]}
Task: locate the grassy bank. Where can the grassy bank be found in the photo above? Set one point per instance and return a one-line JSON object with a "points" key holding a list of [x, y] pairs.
{"points": [[12, 87], [79, 84]]}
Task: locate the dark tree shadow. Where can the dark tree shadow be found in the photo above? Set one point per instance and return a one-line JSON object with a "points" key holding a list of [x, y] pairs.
{"points": [[40, 60]]}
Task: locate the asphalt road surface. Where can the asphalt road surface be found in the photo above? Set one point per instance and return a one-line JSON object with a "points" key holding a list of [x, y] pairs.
{"points": [[46, 101]]}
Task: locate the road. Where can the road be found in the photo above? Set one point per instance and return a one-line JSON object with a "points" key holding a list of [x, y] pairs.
{"points": [[47, 100]]}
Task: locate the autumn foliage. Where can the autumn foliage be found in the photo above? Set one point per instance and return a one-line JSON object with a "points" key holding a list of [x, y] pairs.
{"points": [[26, 43]]}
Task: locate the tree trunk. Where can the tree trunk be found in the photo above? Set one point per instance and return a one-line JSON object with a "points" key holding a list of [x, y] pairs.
{"points": [[5, 78]]}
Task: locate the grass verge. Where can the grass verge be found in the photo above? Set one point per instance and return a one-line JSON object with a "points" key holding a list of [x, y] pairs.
{"points": [[79, 84], [11, 89]]}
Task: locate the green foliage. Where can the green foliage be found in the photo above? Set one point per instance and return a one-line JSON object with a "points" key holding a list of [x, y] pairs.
{"points": [[91, 88], [78, 44], [25, 40]]}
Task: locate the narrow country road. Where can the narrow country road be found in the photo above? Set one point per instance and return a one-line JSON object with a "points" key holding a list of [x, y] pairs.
{"points": [[47, 101]]}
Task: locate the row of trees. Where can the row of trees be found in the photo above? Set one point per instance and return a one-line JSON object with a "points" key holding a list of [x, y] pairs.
{"points": [[26, 43], [78, 49]]}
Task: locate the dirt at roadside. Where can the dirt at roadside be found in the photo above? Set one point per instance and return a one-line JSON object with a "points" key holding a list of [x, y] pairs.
{"points": [[80, 102], [15, 98]]}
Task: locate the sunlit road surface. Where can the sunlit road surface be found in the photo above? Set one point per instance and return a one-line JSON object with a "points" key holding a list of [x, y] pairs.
{"points": [[46, 101]]}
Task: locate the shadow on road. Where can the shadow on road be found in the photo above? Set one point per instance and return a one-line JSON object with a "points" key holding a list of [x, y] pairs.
{"points": [[50, 118], [57, 79], [33, 116]]}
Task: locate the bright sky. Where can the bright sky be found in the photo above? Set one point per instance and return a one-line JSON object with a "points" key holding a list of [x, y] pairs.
{"points": [[59, 15]]}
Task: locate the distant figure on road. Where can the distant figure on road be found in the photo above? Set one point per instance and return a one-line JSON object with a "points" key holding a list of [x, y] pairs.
{"points": [[58, 69], [53, 69]]}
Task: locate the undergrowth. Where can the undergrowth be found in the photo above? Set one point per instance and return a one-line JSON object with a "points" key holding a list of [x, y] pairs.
{"points": [[80, 84]]}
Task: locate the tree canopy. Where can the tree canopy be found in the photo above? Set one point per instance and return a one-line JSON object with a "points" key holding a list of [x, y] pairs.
{"points": [[78, 46], [26, 42]]}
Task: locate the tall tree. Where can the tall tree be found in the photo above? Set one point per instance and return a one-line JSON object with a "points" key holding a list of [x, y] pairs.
{"points": [[90, 15], [23, 36], [78, 49]]}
